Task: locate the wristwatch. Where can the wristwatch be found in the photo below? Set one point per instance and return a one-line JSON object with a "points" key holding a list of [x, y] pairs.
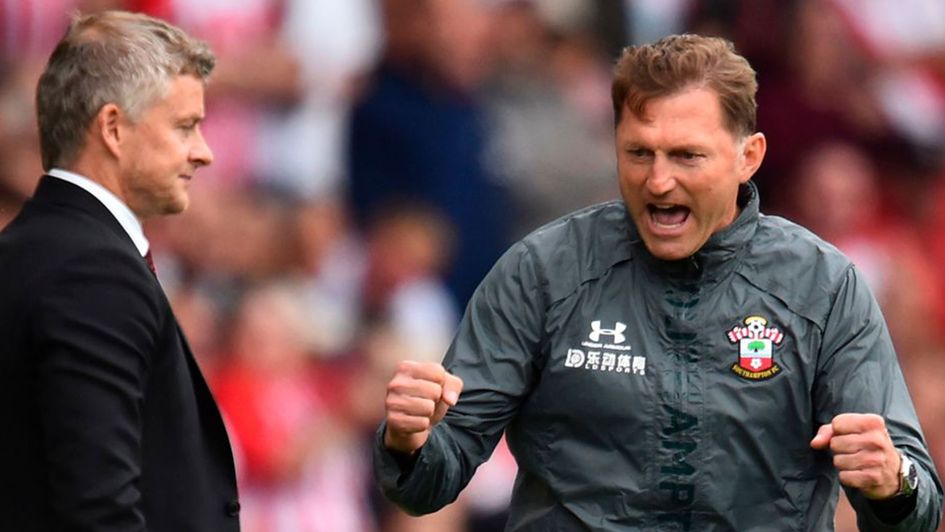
{"points": [[908, 476]]}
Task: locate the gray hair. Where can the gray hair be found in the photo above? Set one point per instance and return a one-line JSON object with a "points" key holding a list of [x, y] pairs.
{"points": [[128, 59]]}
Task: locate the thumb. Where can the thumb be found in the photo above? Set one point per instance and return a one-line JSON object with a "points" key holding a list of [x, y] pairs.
{"points": [[452, 386], [822, 440]]}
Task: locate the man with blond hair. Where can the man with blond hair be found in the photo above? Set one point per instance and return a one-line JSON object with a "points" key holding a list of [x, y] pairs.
{"points": [[675, 360], [108, 423]]}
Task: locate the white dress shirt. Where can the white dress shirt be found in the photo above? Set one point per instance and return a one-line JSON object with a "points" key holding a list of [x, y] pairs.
{"points": [[129, 222]]}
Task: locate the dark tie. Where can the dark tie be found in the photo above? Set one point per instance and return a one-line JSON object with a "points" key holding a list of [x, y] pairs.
{"points": [[150, 261]]}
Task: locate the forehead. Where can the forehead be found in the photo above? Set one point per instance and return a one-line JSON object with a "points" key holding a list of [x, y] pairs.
{"points": [[183, 95], [692, 115]]}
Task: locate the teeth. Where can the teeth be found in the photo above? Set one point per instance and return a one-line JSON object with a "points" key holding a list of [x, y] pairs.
{"points": [[669, 215]]}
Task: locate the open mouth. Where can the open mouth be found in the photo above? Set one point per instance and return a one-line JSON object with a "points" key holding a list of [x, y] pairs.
{"points": [[668, 216]]}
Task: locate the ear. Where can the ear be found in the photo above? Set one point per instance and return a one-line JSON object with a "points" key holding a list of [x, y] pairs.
{"points": [[108, 127], [753, 152]]}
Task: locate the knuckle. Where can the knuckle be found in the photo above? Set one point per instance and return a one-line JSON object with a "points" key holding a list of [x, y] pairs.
{"points": [[427, 408], [437, 372], [878, 439], [840, 419], [397, 422], [394, 402], [404, 367], [397, 403], [427, 390], [390, 403], [884, 461], [836, 444], [406, 424], [397, 384], [396, 393], [850, 478], [436, 391], [422, 424]]}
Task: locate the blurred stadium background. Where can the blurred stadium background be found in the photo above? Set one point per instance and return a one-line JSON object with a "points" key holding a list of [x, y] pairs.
{"points": [[374, 157]]}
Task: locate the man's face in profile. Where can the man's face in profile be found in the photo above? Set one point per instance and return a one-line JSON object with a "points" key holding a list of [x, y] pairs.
{"points": [[164, 149]]}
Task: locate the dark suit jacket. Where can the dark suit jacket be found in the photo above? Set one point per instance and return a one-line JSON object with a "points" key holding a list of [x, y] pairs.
{"points": [[107, 423]]}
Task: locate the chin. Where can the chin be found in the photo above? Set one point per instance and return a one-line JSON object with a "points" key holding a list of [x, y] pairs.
{"points": [[668, 252], [177, 207]]}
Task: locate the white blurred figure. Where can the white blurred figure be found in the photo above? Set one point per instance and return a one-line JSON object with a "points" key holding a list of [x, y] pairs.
{"points": [[905, 40], [335, 42], [287, 73]]}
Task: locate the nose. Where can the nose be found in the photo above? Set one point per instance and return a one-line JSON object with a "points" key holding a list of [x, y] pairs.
{"points": [[660, 180], [200, 153]]}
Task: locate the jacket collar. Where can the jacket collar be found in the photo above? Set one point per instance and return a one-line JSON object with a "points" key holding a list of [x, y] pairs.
{"points": [[129, 222], [717, 256], [53, 191]]}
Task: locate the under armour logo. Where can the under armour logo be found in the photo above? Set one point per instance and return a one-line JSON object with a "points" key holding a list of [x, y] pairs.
{"points": [[616, 332]]}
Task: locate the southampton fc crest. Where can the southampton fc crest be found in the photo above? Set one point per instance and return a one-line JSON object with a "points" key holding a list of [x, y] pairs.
{"points": [[756, 342]]}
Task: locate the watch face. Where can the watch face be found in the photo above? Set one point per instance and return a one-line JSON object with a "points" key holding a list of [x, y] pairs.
{"points": [[913, 476], [909, 476]]}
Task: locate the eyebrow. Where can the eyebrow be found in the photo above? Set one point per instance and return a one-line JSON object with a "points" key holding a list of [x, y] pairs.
{"points": [[633, 145], [689, 148], [195, 118]]}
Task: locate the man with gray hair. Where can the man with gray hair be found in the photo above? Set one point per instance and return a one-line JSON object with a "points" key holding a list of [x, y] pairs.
{"points": [[109, 425]]}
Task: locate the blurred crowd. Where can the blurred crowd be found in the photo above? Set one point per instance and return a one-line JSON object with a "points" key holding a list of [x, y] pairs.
{"points": [[374, 157]]}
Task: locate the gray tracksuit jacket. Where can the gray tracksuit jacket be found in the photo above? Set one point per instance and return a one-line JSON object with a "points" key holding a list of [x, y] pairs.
{"points": [[645, 395]]}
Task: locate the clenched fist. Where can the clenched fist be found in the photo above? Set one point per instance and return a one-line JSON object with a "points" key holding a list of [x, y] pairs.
{"points": [[863, 453], [418, 396]]}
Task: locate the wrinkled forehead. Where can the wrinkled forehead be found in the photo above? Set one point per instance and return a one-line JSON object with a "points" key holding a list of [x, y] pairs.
{"points": [[729, 110], [694, 104]]}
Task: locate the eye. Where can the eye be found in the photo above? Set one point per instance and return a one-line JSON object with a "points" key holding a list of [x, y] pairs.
{"points": [[688, 156], [639, 153], [188, 125]]}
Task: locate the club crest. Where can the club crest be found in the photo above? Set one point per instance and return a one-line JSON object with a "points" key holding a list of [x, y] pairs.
{"points": [[756, 342]]}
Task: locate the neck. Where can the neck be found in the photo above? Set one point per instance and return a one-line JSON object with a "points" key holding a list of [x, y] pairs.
{"points": [[103, 174]]}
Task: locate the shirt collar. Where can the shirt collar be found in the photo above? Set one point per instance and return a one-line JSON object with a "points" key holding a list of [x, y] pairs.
{"points": [[127, 219]]}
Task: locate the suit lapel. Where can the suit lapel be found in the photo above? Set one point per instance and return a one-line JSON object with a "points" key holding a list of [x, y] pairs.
{"points": [[209, 410]]}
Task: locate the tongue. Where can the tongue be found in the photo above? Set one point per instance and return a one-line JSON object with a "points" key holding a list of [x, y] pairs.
{"points": [[671, 216]]}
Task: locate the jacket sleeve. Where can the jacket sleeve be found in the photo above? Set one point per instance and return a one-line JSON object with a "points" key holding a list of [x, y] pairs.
{"points": [[94, 333], [496, 353], [858, 372]]}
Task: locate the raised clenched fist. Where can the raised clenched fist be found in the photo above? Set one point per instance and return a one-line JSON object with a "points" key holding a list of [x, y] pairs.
{"points": [[418, 396], [863, 453]]}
